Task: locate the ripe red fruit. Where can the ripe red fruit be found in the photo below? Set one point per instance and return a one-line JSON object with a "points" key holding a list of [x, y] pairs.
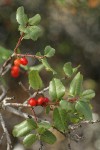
{"points": [[32, 102], [24, 61], [40, 100], [15, 71], [17, 62], [46, 100]]}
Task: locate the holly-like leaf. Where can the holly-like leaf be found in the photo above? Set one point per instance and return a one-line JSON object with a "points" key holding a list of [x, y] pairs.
{"points": [[84, 108], [44, 124], [68, 69], [48, 137], [35, 80], [56, 89], [76, 85], [35, 20], [59, 119], [49, 51], [47, 66], [66, 105], [88, 94], [21, 17], [29, 140], [22, 28], [4, 54], [24, 128], [32, 32]]}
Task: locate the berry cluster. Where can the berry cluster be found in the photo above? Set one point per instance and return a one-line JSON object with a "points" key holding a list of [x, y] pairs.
{"points": [[15, 69], [41, 101]]}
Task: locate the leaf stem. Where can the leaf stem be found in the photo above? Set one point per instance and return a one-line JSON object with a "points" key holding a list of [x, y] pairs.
{"points": [[35, 118], [18, 43]]}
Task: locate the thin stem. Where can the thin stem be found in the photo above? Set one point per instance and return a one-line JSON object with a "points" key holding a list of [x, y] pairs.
{"points": [[16, 104], [29, 55], [2, 137], [18, 43], [35, 118], [4, 92], [6, 132], [10, 58]]}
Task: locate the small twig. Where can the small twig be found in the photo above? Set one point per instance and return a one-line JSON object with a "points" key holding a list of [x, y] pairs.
{"points": [[29, 55], [75, 137], [6, 132], [10, 58], [18, 43], [2, 137], [7, 68], [75, 126], [34, 115], [6, 64], [24, 88], [16, 105], [4, 92], [44, 90]]}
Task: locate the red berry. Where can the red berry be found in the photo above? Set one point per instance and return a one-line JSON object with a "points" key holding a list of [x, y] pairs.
{"points": [[15, 71], [46, 100], [24, 61], [17, 62], [32, 102], [40, 100]]}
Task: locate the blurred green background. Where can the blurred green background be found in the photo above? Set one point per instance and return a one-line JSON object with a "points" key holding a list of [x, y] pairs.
{"points": [[72, 27]]}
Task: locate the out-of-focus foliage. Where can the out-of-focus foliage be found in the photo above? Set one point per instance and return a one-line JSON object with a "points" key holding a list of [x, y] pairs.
{"points": [[72, 27]]}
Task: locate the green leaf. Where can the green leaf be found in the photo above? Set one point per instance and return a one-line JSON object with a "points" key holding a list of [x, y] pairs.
{"points": [[44, 124], [66, 105], [88, 94], [76, 69], [29, 140], [24, 128], [22, 28], [47, 109], [37, 67], [68, 69], [48, 137], [56, 89], [35, 20], [41, 130], [84, 108], [76, 85], [35, 80], [59, 119], [38, 54], [47, 66], [33, 32], [4, 54], [21, 16], [49, 51]]}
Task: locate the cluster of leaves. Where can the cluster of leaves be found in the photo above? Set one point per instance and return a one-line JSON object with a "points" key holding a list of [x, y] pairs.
{"points": [[69, 109], [29, 26], [73, 109]]}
